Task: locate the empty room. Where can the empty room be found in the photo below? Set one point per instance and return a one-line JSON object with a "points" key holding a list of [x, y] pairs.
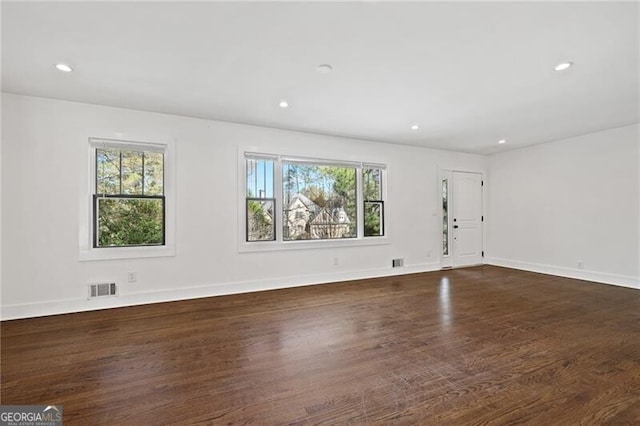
{"points": [[411, 213]]}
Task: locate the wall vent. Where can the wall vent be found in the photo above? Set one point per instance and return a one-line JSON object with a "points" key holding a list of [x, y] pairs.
{"points": [[397, 263], [97, 290]]}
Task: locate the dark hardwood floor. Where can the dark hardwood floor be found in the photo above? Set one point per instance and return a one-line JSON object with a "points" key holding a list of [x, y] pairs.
{"points": [[482, 345]]}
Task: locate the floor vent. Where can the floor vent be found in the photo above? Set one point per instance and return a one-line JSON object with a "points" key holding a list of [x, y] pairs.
{"points": [[102, 290], [397, 263]]}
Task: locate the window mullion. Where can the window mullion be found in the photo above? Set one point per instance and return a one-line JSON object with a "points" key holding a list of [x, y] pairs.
{"points": [[95, 173], [278, 194], [120, 171]]}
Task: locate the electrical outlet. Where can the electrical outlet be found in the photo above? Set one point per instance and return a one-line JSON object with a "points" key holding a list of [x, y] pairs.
{"points": [[428, 254], [580, 264], [132, 277], [336, 261]]}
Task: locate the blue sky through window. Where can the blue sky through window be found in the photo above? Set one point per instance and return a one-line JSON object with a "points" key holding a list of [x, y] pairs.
{"points": [[259, 178]]}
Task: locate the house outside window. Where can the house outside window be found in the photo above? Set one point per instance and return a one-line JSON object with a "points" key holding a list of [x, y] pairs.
{"points": [[291, 200], [319, 201]]}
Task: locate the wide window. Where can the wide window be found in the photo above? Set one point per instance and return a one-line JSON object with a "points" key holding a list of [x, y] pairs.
{"points": [[129, 200], [290, 200]]}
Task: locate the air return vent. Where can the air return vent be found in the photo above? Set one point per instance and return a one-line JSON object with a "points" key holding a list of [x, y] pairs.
{"points": [[397, 263], [98, 290]]}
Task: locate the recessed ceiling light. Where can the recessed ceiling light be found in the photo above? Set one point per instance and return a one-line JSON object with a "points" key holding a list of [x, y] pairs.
{"points": [[284, 104], [415, 127], [324, 68], [563, 66], [501, 141], [64, 68]]}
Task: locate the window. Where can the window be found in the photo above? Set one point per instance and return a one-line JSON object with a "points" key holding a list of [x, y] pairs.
{"points": [[373, 203], [129, 200], [260, 207], [311, 200], [319, 201], [445, 217]]}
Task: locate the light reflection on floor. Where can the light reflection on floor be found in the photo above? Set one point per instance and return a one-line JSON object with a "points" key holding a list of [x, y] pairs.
{"points": [[445, 302], [300, 338]]}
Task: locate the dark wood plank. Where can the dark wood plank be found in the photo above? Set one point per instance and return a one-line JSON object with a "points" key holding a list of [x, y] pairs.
{"points": [[481, 345]]}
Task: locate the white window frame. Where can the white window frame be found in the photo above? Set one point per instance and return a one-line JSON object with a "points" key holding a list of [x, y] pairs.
{"points": [[279, 243], [86, 250]]}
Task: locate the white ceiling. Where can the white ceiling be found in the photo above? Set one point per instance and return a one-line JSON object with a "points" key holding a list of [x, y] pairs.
{"points": [[468, 73]]}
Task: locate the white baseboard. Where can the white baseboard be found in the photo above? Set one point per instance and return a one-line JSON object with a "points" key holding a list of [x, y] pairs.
{"points": [[56, 307], [581, 274]]}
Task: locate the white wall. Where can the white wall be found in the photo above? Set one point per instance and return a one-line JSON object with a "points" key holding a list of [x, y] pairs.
{"points": [[1, 206], [44, 147], [554, 204]]}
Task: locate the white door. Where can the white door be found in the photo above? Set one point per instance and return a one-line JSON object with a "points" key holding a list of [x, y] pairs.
{"points": [[466, 206]]}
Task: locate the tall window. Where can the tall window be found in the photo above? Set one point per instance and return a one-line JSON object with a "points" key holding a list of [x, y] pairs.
{"points": [[311, 199], [373, 203], [260, 207], [129, 200], [319, 201], [445, 217]]}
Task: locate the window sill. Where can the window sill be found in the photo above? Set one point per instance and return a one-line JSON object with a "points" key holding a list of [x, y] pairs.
{"points": [[114, 253], [259, 246]]}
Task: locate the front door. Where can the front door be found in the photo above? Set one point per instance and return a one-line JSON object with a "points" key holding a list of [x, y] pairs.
{"points": [[466, 194]]}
